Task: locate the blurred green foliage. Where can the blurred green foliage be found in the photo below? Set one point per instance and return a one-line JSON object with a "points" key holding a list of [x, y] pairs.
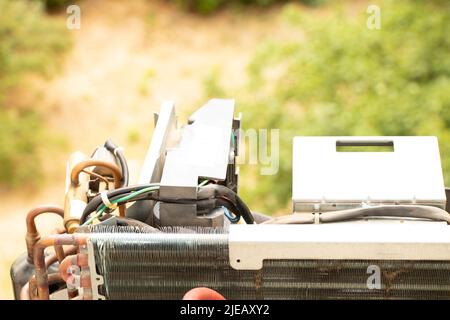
{"points": [[198, 6], [51, 5], [209, 6], [340, 78], [30, 44]]}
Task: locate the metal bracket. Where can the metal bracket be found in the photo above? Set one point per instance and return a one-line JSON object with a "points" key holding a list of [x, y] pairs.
{"points": [[96, 279]]}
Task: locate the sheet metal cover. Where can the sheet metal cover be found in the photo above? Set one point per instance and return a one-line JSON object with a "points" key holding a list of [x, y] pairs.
{"points": [[409, 173], [204, 147], [250, 245]]}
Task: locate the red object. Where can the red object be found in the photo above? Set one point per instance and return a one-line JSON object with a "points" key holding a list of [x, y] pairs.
{"points": [[203, 294]]}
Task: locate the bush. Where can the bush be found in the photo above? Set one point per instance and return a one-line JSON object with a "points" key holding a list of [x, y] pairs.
{"points": [[345, 79], [30, 43], [209, 6], [52, 5]]}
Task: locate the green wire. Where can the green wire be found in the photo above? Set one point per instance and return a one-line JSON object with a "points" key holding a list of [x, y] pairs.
{"points": [[95, 216], [136, 193], [128, 197], [125, 198]]}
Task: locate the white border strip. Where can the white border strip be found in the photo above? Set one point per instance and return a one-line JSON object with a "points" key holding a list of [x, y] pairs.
{"points": [[249, 245]]}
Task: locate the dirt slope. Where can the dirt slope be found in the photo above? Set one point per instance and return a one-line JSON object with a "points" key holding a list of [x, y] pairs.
{"points": [[127, 58]]}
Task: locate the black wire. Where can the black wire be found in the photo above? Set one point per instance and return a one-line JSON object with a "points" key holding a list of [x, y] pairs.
{"points": [[97, 200], [207, 196], [225, 193], [248, 216], [144, 196], [111, 147], [202, 204]]}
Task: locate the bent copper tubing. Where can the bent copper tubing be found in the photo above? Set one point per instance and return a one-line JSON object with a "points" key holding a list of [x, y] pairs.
{"points": [[42, 279], [33, 288], [28, 290], [59, 250], [80, 260], [33, 235], [51, 259], [72, 280], [115, 170], [72, 293]]}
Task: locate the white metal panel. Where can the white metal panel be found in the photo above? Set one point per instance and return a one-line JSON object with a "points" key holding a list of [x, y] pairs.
{"points": [[412, 173], [249, 245], [203, 149], [154, 159]]}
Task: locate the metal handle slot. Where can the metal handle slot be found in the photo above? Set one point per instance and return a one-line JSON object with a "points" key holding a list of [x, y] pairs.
{"points": [[364, 146]]}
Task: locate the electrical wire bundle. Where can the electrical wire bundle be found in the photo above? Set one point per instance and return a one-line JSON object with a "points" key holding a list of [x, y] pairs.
{"points": [[209, 197]]}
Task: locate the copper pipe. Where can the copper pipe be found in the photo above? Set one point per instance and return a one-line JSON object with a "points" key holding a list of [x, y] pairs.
{"points": [[80, 260], [42, 279], [72, 293], [26, 293], [99, 176], [29, 290], [59, 252], [33, 235], [51, 259], [79, 167], [84, 281], [115, 170], [65, 265], [33, 288]]}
